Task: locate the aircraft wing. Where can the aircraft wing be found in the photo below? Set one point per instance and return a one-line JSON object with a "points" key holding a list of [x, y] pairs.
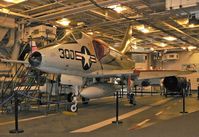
{"points": [[140, 74], [149, 74], [14, 61]]}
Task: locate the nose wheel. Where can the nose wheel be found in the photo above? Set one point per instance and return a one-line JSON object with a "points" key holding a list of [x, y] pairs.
{"points": [[72, 100], [72, 107]]}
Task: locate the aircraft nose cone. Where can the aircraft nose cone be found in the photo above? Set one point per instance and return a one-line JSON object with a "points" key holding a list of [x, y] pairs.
{"points": [[35, 59]]}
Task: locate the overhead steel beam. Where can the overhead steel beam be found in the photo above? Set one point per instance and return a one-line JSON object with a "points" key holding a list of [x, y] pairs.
{"points": [[75, 10], [8, 12]]}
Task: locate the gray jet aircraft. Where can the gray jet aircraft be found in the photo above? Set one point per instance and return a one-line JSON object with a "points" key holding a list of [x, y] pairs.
{"points": [[80, 59]]}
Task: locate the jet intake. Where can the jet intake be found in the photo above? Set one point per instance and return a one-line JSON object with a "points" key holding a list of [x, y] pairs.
{"points": [[97, 90], [35, 59], [173, 83]]}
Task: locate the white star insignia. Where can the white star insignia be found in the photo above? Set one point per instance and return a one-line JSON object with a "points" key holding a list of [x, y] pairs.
{"points": [[87, 57]]}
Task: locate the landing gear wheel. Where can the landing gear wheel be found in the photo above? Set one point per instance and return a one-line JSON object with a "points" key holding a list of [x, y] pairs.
{"points": [[72, 108], [131, 98], [132, 102]]}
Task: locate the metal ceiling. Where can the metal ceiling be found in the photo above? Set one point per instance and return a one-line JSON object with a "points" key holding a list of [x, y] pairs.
{"points": [[110, 25]]}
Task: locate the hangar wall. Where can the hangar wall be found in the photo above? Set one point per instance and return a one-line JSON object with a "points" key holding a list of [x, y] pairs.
{"points": [[185, 58], [142, 61]]}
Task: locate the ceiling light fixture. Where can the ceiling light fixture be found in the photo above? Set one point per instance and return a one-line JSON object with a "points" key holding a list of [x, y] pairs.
{"points": [[142, 28], [14, 1], [152, 49], [90, 33], [191, 25], [184, 48], [161, 44], [64, 22], [4, 10], [190, 48], [118, 8], [170, 38], [183, 21]]}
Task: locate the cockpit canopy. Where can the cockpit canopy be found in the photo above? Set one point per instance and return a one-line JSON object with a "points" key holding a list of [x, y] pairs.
{"points": [[67, 37]]}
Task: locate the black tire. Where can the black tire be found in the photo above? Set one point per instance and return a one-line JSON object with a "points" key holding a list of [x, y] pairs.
{"points": [[72, 108]]}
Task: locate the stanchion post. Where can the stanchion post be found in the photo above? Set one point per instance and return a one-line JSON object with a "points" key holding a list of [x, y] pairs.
{"points": [[121, 96], [183, 102], [16, 130], [198, 92], [117, 111]]}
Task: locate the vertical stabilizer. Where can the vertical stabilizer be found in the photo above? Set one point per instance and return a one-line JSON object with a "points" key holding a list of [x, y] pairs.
{"points": [[126, 40]]}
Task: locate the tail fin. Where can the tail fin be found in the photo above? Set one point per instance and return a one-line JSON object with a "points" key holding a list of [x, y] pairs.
{"points": [[33, 46], [126, 40]]}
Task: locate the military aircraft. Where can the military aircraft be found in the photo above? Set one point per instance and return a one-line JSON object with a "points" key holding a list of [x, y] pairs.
{"points": [[85, 63]]}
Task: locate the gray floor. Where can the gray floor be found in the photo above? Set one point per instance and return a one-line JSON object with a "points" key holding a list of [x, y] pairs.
{"points": [[163, 120]]}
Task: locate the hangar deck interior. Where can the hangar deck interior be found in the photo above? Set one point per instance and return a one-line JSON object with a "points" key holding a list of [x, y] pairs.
{"points": [[164, 38]]}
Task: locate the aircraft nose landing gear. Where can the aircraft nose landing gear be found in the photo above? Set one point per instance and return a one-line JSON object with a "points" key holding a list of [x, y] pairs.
{"points": [[72, 107], [72, 99]]}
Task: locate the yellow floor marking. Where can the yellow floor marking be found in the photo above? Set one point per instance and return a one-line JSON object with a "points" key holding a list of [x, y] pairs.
{"points": [[143, 122], [157, 114], [121, 117], [139, 125], [26, 119], [69, 113]]}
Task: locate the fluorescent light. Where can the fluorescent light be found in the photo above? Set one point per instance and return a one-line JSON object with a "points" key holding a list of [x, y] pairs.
{"points": [[160, 44], [191, 25], [184, 21], [64, 22], [14, 1], [191, 48], [4, 10], [152, 49], [170, 38], [163, 44], [97, 32], [118, 8], [142, 28], [184, 48], [90, 33]]}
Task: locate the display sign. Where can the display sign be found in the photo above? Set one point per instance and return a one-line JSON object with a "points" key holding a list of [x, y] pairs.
{"points": [[176, 4]]}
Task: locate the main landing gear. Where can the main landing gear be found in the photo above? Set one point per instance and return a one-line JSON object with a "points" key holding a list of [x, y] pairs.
{"points": [[131, 98]]}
